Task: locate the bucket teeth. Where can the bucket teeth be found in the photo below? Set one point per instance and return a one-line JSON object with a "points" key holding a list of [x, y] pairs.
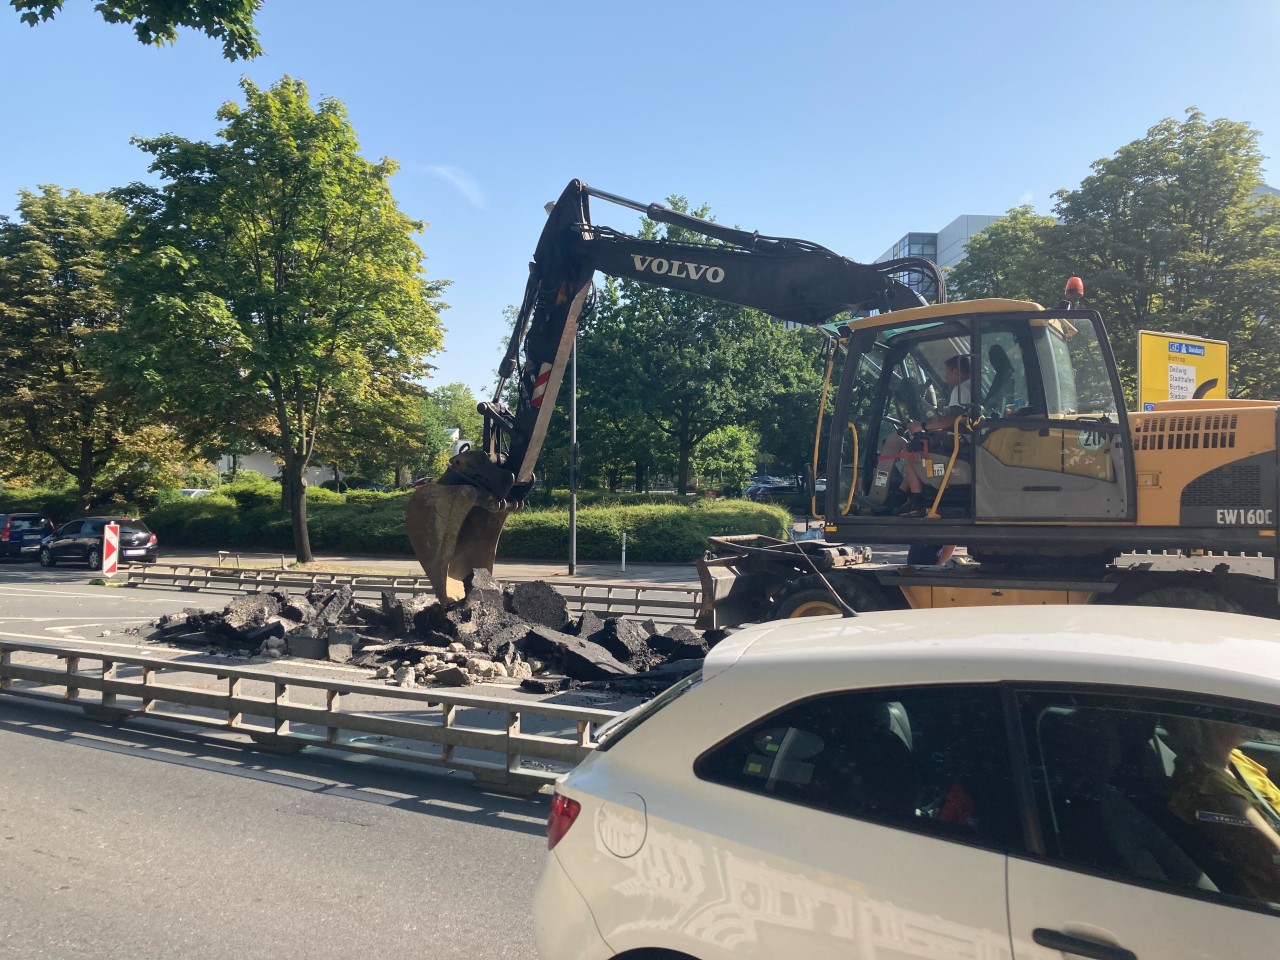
{"points": [[454, 530]]}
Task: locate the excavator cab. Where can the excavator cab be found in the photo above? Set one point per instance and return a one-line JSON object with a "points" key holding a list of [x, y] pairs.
{"points": [[1036, 428]]}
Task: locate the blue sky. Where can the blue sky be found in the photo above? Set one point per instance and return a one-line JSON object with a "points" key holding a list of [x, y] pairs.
{"points": [[848, 124]]}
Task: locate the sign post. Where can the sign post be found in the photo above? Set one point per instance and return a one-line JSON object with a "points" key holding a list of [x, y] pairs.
{"points": [[110, 549], [1176, 366]]}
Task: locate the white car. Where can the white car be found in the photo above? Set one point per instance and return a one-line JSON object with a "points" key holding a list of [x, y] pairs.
{"points": [[981, 783]]}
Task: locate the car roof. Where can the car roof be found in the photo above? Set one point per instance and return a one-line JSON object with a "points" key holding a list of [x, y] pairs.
{"points": [[1195, 651]]}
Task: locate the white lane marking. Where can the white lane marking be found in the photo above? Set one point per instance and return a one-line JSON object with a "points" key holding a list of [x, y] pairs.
{"points": [[37, 636], [73, 627], [54, 620]]}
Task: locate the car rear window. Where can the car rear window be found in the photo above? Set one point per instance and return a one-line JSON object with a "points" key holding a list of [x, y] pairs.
{"points": [[18, 524], [133, 526], [613, 731]]}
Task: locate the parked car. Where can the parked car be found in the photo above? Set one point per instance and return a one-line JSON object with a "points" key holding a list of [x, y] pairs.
{"points": [[81, 541], [20, 534], [976, 782], [764, 492]]}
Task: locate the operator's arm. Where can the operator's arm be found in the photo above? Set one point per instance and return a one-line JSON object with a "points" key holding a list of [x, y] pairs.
{"points": [[944, 422]]}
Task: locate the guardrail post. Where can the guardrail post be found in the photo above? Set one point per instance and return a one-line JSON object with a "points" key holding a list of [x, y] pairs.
{"points": [[333, 703], [446, 721], [234, 717], [584, 733], [73, 688], [282, 696], [513, 731], [147, 702], [108, 673]]}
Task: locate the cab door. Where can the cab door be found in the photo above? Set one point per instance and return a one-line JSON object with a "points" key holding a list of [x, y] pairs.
{"points": [[1051, 441]]}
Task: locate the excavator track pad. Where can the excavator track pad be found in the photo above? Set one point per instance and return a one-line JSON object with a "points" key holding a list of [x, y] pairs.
{"points": [[454, 529]]}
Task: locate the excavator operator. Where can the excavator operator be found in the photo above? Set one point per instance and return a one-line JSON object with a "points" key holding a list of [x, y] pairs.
{"points": [[906, 450]]}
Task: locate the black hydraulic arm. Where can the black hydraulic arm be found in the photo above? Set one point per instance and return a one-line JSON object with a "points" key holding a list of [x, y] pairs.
{"points": [[789, 279]]}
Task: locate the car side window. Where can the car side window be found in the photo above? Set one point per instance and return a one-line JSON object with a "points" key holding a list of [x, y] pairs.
{"points": [[71, 528], [932, 760], [1173, 794], [91, 527]]}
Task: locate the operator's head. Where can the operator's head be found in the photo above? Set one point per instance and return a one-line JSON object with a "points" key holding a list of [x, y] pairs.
{"points": [[958, 365]]}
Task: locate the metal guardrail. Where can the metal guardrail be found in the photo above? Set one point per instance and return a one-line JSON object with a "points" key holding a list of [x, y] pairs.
{"points": [[483, 736], [662, 603]]}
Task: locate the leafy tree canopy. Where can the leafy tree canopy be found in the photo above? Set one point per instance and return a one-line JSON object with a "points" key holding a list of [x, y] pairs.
{"points": [[1171, 233], [156, 22], [686, 364], [274, 288], [58, 413]]}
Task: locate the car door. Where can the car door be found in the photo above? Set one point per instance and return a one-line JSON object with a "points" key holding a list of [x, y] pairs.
{"points": [[63, 544], [89, 537], [859, 824], [1136, 858]]}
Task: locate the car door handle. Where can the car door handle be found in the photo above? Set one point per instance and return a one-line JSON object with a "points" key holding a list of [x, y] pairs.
{"points": [[1080, 946]]}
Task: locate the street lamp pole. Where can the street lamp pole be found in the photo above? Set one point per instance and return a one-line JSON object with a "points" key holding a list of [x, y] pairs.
{"points": [[573, 457]]}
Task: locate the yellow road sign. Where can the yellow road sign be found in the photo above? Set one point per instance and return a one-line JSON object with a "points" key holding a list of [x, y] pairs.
{"points": [[1176, 366]]}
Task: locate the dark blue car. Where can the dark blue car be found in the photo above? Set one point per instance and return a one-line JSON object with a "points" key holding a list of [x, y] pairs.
{"points": [[21, 533]]}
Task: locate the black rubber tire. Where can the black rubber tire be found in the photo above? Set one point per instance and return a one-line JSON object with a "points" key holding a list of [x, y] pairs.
{"points": [[1186, 598], [47, 559], [94, 558]]}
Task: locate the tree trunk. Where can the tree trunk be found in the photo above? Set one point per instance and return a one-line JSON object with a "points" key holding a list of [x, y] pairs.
{"points": [[296, 485], [682, 483], [84, 476], [642, 477]]}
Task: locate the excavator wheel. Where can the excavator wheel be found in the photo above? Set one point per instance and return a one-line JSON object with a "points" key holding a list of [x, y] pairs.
{"points": [[454, 529], [809, 597]]}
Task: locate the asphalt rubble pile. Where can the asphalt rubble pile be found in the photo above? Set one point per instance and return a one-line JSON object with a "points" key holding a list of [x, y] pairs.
{"points": [[521, 631]]}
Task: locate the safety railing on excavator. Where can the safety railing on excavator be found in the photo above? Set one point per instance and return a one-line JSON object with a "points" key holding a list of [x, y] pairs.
{"points": [[663, 603], [507, 744]]}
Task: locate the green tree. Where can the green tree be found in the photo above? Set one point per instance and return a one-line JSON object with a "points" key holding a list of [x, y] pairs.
{"points": [[273, 285], [686, 364], [1009, 259], [1170, 233], [156, 22], [786, 418], [455, 406], [727, 457], [57, 408]]}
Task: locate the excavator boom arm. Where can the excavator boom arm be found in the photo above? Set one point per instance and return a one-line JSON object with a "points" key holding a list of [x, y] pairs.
{"points": [[456, 530]]}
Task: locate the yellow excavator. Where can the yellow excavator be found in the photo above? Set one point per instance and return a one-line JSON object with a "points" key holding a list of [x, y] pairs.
{"points": [[996, 425]]}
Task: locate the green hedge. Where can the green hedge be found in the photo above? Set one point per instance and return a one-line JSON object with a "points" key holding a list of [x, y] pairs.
{"points": [[248, 517]]}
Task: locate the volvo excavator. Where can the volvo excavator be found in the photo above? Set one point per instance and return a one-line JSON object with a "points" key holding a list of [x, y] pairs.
{"points": [[1058, 494]]}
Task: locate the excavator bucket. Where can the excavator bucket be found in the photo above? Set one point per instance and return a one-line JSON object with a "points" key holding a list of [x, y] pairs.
{"points": [[454, 529]]}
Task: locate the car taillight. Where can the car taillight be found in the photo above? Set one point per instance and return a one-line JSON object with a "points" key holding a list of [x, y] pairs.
{"points": [[152, 540], [563, 812], [4, 534]]}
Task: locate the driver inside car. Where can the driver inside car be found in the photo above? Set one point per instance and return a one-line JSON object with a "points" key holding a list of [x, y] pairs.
{"points": [[905, 451]]}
